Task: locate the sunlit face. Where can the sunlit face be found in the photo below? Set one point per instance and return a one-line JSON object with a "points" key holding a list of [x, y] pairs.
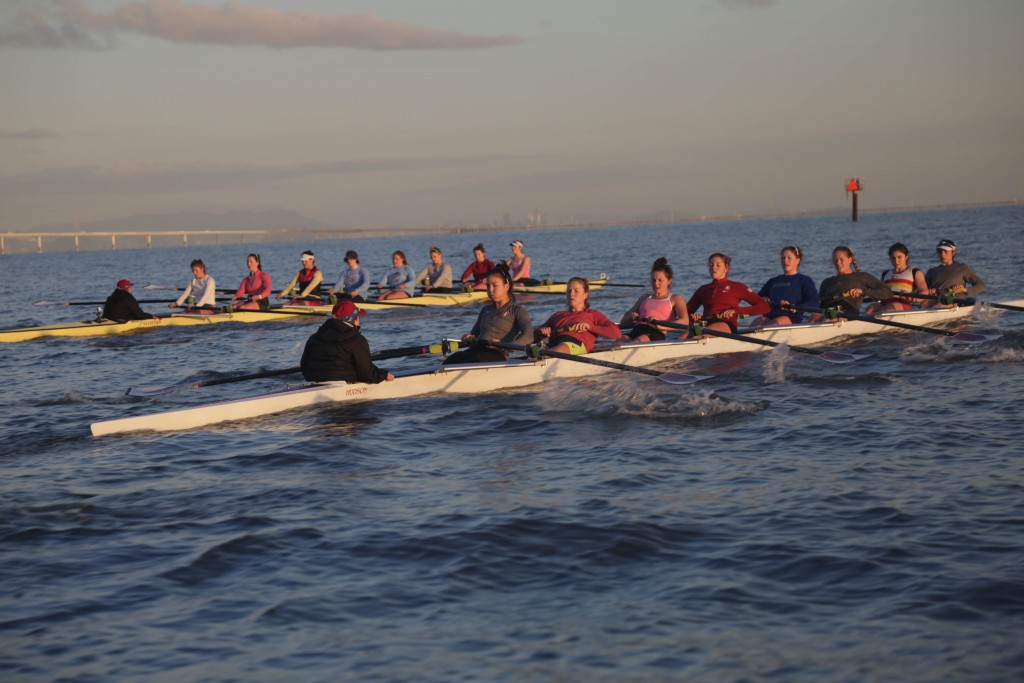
{"points": [[660, 283], [945, 256], [480, 256], [436, 258], [899, 261], [199, 272], [516, 250], [497, 289], [790, 262], [307, 263], [254, 265], [717, 268], [576, 295], [842, 261], [396, 260], [352, 263]]}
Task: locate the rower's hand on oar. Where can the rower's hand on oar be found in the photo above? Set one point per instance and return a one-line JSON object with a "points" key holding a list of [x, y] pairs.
{"points": [[544, 331], [468, 339], [389, 378]]}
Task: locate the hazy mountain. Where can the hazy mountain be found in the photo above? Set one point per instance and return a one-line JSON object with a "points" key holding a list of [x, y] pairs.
{"points": [[271, 219]]}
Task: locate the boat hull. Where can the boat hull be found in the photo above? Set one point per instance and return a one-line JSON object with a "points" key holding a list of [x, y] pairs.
{"points": [[477, 378], [95, 328]]}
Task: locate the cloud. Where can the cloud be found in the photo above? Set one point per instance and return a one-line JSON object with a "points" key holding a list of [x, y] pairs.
{"points": [[159, 178], [33, 134], [71, 24]]}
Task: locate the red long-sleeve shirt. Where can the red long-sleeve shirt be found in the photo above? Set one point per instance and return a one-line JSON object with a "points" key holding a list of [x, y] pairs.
{"points": [[600, 325], [721, 295]]}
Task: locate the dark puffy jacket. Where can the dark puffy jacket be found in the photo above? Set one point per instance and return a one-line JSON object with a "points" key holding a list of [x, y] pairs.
{"points": [[337, 352], [122, 306]]}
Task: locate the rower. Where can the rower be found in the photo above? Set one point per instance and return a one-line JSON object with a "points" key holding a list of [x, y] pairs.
{"points": [[575, 329], [354, 281], [721, 298], [436, 276], [901, 279], [478, 269], [519, 265], [792, 288], [502, 320], [951, 276], [338, 352], [121, 306], [399, 282], [306, 283], [848, 287], [662, 304], [201, 294], [256, 287]]}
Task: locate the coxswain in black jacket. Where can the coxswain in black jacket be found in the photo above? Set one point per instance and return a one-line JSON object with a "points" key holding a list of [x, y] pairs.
{"points": [[121, 307], [338, 352]]}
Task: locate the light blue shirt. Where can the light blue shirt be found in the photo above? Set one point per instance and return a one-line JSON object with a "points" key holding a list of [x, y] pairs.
{"points": [[400, 279], [354, 281]]}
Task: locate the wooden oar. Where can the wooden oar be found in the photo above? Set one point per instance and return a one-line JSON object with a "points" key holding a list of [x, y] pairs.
{"points": [[97, 303], [830, 356], [964, 301], [445, 347], [962, 337], [670, 377]]}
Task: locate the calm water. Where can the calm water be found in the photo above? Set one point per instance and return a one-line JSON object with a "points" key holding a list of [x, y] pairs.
{"points": [[789, 520]]}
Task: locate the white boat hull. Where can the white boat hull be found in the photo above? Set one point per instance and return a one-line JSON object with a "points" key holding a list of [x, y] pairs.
{"points": [[477, 378]]}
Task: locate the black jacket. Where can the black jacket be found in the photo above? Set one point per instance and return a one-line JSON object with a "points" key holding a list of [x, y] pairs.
{"points": [[122, 306], [337, 352]]}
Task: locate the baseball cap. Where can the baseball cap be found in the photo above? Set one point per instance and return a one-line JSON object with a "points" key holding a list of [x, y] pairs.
{"points": [[351, 254], [946, 245], [124, 284], [346, 310], [515, 243], [306, 255]]}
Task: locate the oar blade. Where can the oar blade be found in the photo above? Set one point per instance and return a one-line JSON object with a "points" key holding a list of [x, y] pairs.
{"points": [[840, 357], [681, 379], [974, 338], [51, 303], [148, 392]]}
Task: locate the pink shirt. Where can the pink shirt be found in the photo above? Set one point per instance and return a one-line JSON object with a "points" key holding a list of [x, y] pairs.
{"points": [[253, 284], [520, 269], [656, 309]]}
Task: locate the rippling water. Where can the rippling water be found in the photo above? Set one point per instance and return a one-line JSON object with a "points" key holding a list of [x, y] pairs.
{"points": [[789, 520]]}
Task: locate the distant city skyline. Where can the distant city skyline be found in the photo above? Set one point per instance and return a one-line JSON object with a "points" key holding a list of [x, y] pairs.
{"points": [[390, 114]]}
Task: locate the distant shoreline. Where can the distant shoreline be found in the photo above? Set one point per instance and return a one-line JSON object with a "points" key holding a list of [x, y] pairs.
{"points": [[29, 241]]}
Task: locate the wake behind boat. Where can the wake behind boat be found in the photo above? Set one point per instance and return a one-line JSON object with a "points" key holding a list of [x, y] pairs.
{"points": [[476, 378]]}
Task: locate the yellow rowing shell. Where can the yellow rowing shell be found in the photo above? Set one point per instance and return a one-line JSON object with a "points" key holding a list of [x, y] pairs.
{"points": [[96, 328]]}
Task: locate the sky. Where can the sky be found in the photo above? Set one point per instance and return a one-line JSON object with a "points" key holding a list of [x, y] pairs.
{"points": [[391, 114]]}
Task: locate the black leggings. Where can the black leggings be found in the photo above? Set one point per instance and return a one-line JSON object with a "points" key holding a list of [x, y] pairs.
{"points": [[477, 353]]}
